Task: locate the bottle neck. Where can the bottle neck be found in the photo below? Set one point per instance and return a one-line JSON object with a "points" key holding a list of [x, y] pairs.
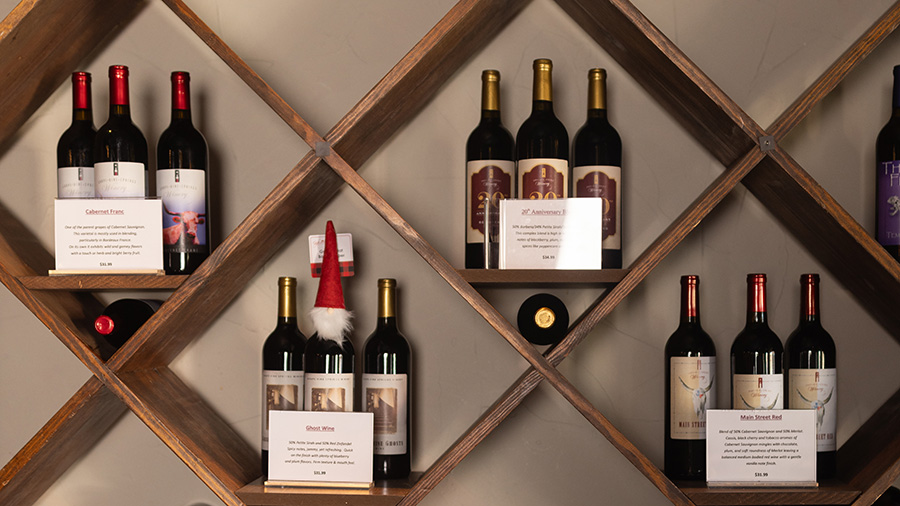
{"points": [[81, 97], [387, 303], [756, 298], [896, 91], [181, 96], [690, 300], [597, 93], [809, 303], [543, 85], [118, 91], [287, 300]]}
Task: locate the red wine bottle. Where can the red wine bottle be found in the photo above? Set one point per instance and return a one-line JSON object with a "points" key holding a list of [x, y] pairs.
{"points": [[75, 149], [756, 356], [385, 384], [597, 167], [328, 374], [490, 172], [887, 182], [282, 363], [810, 361], [690, 388], [182, 184], [122, 318], [120, 150], [542, 143]]}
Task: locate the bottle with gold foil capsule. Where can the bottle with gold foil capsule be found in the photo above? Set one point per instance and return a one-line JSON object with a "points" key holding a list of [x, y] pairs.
{"points": [[490, 173], [542, 143], [386, 387], [75, 149], [690, 377], [597, 167], [282, 363], [757, 381], [810, 363]]}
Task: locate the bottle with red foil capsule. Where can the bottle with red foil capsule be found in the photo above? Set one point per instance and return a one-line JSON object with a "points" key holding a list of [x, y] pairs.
{"points": [[756, 356], [490, 173], [120, 149], [75, 149], [810, 361], [597, 167], [690, 388], [542, 143], [183, 185], [122, 318]]}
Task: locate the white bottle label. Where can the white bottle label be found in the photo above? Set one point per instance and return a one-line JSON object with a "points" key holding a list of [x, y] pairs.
{"points": [[385, 395], [605, 182], [328, 392], [282, 391], [816, 389], [758, 391], [183, 192], [75, 182], [120, 179], [543, 178], [693, 391]]}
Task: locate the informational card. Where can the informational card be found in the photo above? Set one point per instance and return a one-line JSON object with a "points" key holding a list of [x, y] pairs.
{"points": [[761, 447], [320, 449], [551, 234], [108, 236], [345, 254]]}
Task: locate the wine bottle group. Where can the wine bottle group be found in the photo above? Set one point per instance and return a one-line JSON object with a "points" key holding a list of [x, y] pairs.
{"points": [[319, 374], [801, 374], [536, 165], [113, 162]]}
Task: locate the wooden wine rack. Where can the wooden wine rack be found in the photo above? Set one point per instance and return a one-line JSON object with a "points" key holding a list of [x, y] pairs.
{"points": [[42, 42]]}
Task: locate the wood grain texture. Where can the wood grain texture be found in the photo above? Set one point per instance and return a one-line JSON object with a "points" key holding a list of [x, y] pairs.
{"points": [[870, 459], [384, 493], [668, 75], [42, 42], [826, 493], [833, 76], [87, 282], [68, 435], [207, 444], [541, 277], [830, 235]]}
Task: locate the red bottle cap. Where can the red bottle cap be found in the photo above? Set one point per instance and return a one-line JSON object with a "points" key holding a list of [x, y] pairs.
{"points": [[104, 325]]}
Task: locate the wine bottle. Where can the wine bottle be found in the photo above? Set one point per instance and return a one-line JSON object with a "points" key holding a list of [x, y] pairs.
{"points": [[597, 167], [756, 356], [120, 150], [542, 143], [887, 182], [122, 318], [543, 319], [329, 368], [75, 149], [690, 388], [182, 184], [812, 374], [282, 363], [385, 384], [490, 173]]}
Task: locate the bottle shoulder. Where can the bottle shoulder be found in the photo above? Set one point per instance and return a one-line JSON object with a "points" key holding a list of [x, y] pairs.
{"points": [[285, 338], [388, 340], [757, 338], [489, 141], [809, 337], [690, 340], [316, 345]]}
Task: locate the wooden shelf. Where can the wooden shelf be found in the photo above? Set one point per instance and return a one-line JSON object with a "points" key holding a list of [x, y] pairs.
{"points": [[35, 61], [384, 493], [541, 277]]}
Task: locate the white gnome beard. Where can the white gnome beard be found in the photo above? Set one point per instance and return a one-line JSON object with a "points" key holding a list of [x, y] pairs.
{"points": [[331, 323]]}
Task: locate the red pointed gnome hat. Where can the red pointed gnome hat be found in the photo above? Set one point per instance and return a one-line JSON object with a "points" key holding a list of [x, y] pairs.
{"points": [[330, 317]]}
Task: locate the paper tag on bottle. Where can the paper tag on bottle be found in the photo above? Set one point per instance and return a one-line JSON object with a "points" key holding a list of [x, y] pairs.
{"points": [[345, 254]]}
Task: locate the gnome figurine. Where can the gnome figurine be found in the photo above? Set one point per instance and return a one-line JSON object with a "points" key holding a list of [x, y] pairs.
{"points": [[329, 316]]}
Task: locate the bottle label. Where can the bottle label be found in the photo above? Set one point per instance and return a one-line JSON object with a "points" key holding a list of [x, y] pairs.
{"points": [[328, 392], [693, 391], [816, 389], [758, 391], [385, 395], [888, 205], [120, 179], [605, 182], [75, 182], [490, 181], [183, 193], [543, 178], [282, 391]]}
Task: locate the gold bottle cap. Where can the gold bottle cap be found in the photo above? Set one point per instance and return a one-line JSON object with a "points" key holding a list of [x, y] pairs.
{"points": [[544, 317]]}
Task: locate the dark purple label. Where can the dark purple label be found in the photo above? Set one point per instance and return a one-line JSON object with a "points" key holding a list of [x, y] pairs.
{"points": [[888, 205], [490, 185], [598, 185]]}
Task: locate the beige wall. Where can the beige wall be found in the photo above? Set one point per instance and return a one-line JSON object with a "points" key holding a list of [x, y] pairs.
{"points": [[322, 57]]}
